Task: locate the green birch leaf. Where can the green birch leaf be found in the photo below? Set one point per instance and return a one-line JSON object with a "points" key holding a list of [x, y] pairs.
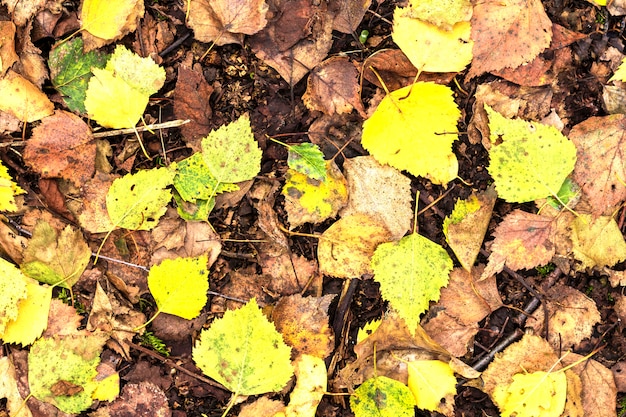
{"points": [[70, 71], [384, 397], [411, 273], [194, 180], [231, 153], [244, 352], [179, 286], [308, 159], [532, 161], [137, 201]]}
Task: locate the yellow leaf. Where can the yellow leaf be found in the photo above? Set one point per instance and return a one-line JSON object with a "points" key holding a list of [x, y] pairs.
{"points": [[32, 317], [384, 397], [430, 381], [443, 13], [310, 386], [12, 290], [413, 129], [369, 328], [184, 296], [8, 190], [597, 242], [309, 200], [345, 249], [23, 99], [620, 73], [532, 395], [429, 47], [107, 389], [15, 404], [106, 18]]}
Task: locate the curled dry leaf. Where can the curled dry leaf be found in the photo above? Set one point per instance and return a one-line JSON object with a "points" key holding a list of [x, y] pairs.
{"points": [[226, 21], [7, 47], [333, 87]]}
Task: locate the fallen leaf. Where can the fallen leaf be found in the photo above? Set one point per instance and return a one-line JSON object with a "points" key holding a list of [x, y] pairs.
{"points": [[309, 200], [599, 391], [7, 47], [429, 47], [345, 249], [601, 166], [70, 71], [597, 242], [311, 376], [466, 226], [303, 322], [444, 13], [108, 20], [413, 129], [91, 211], [8, 190], [23, 99], [533, 394], [16, 405], [307, 159], [411, 273], [32, 316], [431, 382], [137, 201], [56, 258], [194, 180], [244, 352], [382, 396], [226, 21], [144, 396], [532, 161], [507, 35], [333, 87], [13, 289], [23, 10], [262, 406], [62, 147], [373, 188], [522, 241]]}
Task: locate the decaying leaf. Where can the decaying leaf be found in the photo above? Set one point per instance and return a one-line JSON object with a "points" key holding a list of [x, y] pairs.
{"points": [[7, 47], [16, 405], [23, 99], [307, 159], [311, 376], [599, 391], [346, 248], [382, 396], [373, 188], [413, 129]]}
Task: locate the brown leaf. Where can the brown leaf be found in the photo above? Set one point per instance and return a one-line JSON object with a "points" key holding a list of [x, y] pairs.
{"points": [[191, 101], [507, 34], [226, 21], [91, 209], [62, 320], [23, 10], [303, 323], [599, 391], [333, 87], [7, 46], [23, 99], [349, 15], [600, 169], [297, 41], [452, 335], [62, 387], [145, 396], [62, 146], [522, 241]]}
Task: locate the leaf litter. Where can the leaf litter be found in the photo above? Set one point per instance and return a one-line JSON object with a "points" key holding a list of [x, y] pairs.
{"points": [[213, 199]]}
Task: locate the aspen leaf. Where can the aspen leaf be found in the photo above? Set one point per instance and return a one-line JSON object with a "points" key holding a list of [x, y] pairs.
{"points": [[310, 200], [194, 180], [61, 370], [179, 286], [532, 161], [32, 316], [137, 201], [537, 394], [12, 289], [307, 159], [8, 190], [70, 71], [411, 273], [244, 352], [231, 153], [430, 381], [128, 80], [345, 249], [429, 47], [413, 129], [384, 397]]}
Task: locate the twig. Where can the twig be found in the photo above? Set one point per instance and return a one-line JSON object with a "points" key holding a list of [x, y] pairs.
{"points": [[164, 125]]}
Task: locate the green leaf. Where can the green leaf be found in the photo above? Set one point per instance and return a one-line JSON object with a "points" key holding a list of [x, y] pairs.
{"points": [[70, 70], [56, 258], [12, 290], [194, 180], [411, 273], [137, 201], [61, 362], [179, 286], [568, 194], [384, 397], [231, 153], [532, 161], [307, 159], [244, 352], [198, 211]]}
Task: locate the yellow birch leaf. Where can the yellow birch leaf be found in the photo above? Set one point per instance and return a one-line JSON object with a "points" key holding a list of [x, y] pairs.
{"points": [[429, 47], [108, 388], [384, 397], [597, 242], [310, 387], [23, 99], [32, 317], [184, 296], [443, 13], [8, 190], [413, 129], [430, 381], [12, 290], [537, 394], [106, 18]]}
